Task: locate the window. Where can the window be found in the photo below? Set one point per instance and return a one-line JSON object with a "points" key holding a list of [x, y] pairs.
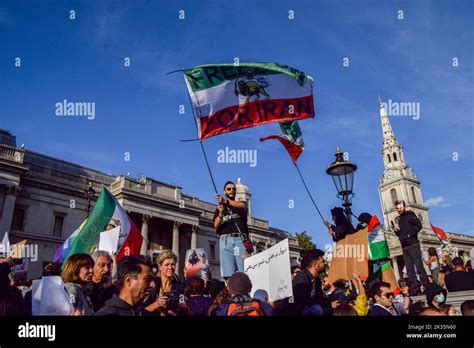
{"points": [[393, 193], [212, 250], [18, 219], [394, 156], [389, 159], [413, 194], [58, 225]]}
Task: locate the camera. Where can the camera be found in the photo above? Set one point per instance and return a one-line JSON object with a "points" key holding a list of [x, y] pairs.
{"points": [[173, 297]]}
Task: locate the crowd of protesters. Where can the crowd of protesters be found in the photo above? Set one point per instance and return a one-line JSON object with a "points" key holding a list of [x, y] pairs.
{"points": [[140, 286], [137, 287]]}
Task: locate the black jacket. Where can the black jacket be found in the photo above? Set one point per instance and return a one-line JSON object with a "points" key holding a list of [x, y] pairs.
{"points": [[118, 307], [99, 295], [307, 292], [409, 226]]}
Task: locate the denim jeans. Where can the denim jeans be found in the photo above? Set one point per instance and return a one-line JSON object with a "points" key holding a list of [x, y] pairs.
{"points": [[230, 253]]}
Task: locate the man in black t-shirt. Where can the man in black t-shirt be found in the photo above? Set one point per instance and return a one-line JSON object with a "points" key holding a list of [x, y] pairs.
{"points": [[230, 221], [460, 279]]}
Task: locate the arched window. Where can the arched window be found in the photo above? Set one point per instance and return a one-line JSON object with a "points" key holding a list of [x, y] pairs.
{"points": [[413, 194], [389, 159], [393, 193], [394, 156]]}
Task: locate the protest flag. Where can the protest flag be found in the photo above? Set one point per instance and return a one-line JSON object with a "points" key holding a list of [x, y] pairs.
{"points": [[107, 214]]}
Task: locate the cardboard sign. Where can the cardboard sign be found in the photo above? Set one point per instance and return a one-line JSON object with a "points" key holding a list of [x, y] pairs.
{"points": [[350, 256]]}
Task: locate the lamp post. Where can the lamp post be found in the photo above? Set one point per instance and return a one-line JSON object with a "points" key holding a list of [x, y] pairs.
{"points": [[342, 173], [89, 193]]}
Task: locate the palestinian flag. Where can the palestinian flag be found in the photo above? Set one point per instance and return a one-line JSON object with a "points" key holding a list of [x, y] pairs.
{"points": [[227, 97], [291, 138], [443, 238], [385, 273], [378, 247], [107, 214]]}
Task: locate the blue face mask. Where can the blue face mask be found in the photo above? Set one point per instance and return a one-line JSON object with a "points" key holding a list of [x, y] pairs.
{"points": [[439, 298]]}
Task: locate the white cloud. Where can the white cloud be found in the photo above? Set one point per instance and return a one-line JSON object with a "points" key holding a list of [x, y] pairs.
{"points": [[437, 202]]}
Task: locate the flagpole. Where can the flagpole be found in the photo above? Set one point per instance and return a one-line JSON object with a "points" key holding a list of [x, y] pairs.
{"points": [[200, 142], [309, 193]]}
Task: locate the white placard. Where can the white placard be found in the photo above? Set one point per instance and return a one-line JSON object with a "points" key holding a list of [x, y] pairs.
{"points": [[270, 270], [49, 297], [109, 240]]}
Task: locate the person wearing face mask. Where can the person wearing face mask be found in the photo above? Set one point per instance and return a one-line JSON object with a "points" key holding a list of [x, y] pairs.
{"points": [[77, 277], [435, 295], [167, 297]]}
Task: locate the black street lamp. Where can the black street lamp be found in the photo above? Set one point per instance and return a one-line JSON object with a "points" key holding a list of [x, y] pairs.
{"points": [[89, 193], [342, 173]]}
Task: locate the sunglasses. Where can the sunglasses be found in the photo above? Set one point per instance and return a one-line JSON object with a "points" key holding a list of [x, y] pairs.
{"points": [[389, 294], [230, 189]]}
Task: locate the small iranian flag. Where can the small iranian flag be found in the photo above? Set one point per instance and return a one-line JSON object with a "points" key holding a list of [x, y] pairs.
{"points": [[291, 138], [378, 247], [227, 97], [107, 214], [443, 238]]}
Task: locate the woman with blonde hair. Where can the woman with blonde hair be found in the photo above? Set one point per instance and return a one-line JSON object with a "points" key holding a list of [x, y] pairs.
{"points": [[167, 297], [77, 277]]}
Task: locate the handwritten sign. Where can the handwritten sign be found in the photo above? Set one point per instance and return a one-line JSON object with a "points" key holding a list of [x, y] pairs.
{"points": [[270, 270]]}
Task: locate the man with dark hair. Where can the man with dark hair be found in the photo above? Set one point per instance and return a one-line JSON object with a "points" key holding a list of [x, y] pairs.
{"points": [[308, 296], [136, 281], [230, 222], [294, 271], [383, 300], [467, 308], [459, 279], [407, 231]]}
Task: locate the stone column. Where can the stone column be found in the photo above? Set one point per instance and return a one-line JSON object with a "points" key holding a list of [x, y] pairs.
{"points": [[176, 242], [395, 268], [146, 241], [8, 208], [194, 233]]}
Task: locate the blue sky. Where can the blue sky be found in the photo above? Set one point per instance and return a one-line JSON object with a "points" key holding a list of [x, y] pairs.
{"points": [[407, 60]]}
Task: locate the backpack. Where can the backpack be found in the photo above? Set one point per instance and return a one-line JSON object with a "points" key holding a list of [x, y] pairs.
{"points": [[247, 309]]}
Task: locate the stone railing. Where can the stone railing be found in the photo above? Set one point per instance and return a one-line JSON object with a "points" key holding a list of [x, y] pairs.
{"points": [[454, 298], [12, 153]]}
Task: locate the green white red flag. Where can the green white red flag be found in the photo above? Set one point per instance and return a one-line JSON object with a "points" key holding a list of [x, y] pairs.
{"points": [[227, 97], [291, 138], [443, 238], [378, 247], [107, 214]]}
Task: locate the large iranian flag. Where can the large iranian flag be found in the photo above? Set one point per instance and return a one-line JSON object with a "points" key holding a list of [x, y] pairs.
{"points": [[227, 97], [107, 214], [378, 247]]}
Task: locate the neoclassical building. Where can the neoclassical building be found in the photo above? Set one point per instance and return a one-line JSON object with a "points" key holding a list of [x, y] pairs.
{"points": [[399, 181], [42, 200]]}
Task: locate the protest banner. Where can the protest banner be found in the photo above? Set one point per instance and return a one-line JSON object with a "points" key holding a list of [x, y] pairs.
{"points": [[49, 297], [269, 270], [349, 257], [196, 265]]}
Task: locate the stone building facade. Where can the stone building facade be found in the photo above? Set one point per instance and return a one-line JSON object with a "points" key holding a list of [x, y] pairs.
{"points": [[42, 200]]}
